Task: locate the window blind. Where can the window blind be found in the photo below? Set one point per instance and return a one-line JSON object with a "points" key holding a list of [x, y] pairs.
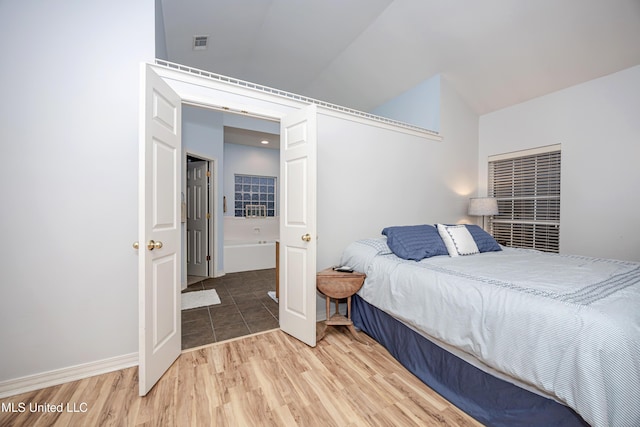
{"points": [[527, 188]]}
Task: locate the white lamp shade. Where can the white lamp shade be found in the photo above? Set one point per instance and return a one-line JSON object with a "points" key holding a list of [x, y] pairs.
{"points": [[481, 206]]}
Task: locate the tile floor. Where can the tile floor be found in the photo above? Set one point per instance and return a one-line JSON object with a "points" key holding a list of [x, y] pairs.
{"points": [[245, 308]]}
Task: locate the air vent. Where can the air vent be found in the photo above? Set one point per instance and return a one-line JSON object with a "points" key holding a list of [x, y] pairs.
{"points": [[200, 42]]}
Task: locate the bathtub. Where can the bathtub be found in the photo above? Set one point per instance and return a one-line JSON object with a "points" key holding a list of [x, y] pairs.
{"points": [[247, 255]]}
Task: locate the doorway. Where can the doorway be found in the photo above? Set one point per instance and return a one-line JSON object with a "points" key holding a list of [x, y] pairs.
{"points": [[248, 147], [159, 342]]}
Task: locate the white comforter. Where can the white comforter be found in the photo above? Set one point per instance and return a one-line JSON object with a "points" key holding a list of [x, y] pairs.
{"points": [[566, 325]]}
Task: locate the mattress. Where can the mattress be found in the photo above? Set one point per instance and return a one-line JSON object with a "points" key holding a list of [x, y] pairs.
{"points": [[564, 326]]}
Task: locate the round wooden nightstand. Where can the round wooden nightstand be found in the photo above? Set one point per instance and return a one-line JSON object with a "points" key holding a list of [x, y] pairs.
{"points": [[338, 285]]}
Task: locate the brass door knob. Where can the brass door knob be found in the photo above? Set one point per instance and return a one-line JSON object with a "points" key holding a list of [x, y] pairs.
{"points": [[306, 237], [154, 245], [136, 245]]}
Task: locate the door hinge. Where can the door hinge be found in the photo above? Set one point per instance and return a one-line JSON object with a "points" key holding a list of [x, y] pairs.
{"points": [[208, 174], [208, 257], [208, 215]]}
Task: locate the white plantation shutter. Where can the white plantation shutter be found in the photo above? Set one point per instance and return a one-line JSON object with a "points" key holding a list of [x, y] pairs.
{"points": [[527, 186]]}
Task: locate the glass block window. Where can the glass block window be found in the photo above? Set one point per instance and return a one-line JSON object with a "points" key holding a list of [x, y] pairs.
{"points": [[255, 196]]}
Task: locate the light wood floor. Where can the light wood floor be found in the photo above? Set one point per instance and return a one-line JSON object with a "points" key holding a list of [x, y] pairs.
{"points": [[268, 379]]}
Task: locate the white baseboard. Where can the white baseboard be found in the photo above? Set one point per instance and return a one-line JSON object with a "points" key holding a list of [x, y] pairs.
{"points": [[65, 375]]}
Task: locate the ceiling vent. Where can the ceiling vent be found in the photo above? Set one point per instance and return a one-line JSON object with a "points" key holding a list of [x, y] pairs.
{"points": [[200, 42]]}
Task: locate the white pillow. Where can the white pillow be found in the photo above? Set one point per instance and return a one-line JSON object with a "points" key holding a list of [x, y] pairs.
{"points": [[458, 240]]}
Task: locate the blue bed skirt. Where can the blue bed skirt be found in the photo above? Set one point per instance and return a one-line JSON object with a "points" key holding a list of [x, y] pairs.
{"points": [[490, 400]]}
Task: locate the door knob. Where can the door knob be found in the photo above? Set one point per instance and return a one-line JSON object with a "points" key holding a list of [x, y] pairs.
{"points": [[136, 245], [154, 245], [306, 237]]}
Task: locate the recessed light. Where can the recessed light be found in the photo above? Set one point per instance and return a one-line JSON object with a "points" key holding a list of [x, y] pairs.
{"points": [[264, 141]]}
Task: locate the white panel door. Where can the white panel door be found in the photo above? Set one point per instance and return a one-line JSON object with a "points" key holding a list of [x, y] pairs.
{"points": [[197, 222], [158, 229], [298, 149]]}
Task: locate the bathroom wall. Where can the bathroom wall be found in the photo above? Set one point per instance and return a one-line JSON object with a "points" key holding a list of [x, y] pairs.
{"points": [[251, 229], [247, 160], [202, 136]]}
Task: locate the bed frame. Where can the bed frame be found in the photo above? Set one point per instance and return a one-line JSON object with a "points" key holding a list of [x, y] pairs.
{"points": [[490, 400]]}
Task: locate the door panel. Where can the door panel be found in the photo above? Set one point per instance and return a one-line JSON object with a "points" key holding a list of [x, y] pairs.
{"points": [[295, 190], [163, 329], [296, 265], [297, 280], [197, 222], [159, 229]]}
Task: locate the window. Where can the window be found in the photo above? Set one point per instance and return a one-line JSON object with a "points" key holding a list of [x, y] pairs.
{"points": [[255, 196], [527, 186]]}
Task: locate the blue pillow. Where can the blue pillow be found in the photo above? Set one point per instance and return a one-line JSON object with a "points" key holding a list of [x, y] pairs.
{"points": [[484, 240], [415, 242]]}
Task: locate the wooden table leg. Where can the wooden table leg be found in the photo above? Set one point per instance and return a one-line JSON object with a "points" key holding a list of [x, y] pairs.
{"points": [[321, 330]]}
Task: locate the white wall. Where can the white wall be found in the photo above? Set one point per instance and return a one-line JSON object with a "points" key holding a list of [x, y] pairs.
{"points": [[598, 125], [251, 229], [69, 173], [370, 178]]}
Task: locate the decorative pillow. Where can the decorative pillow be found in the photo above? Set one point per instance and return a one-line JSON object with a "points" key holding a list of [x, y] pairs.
{"points": [[484, 240], [458, 240], [415, 242]]}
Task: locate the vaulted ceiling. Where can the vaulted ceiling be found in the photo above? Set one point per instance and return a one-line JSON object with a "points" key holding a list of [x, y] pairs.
{"points": [[361, 53]]}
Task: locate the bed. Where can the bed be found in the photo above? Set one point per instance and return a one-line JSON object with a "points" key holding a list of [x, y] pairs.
{"points": [[511, 336]]}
